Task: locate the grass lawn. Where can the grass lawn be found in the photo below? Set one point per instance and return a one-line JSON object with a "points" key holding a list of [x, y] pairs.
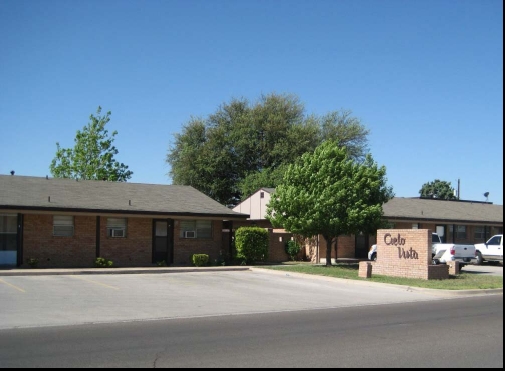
{"points": [[464, 281]]}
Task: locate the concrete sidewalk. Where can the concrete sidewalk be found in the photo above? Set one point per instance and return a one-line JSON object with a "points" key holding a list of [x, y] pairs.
{"points": [[139, 270]]}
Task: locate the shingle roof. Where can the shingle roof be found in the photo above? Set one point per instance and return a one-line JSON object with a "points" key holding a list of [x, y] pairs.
{"points": [[36, 193], [269, 190], [443, 210]]}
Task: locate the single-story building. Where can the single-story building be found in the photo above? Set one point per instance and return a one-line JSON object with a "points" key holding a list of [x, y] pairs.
{"points": [[69, 223], [466, 222]]}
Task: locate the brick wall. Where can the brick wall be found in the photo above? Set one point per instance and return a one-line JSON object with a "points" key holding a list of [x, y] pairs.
{"points": [[185, 247], [277, 246], [133, 251], [52, 251], [346, 248]]}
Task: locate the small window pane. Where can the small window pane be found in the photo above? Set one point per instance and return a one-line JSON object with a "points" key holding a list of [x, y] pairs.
{"points": [[161, 229], [461, 231], [186, 225], [479, 233], [204, 229], [8, 224], [116, 222], [63, 225]]}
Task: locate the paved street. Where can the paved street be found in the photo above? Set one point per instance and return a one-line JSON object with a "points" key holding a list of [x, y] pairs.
{"points": [[458, 333]]}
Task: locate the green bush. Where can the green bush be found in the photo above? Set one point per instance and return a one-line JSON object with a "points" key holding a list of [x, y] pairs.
{"points": [[292, 249], [199, 260], [251, 244], [103, 263], [33, 262], [161, 263]]}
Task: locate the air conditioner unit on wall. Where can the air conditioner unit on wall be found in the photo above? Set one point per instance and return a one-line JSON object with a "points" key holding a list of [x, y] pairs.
{"points": [[189, 234], [117, 232]]}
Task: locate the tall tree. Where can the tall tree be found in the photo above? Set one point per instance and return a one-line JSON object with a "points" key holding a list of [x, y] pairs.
{"points": [[93, 154], [440, 189], [229, 153], [328, 193]]}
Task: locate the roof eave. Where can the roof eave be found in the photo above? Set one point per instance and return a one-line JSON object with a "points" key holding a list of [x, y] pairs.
{"points": [[223, 216]]}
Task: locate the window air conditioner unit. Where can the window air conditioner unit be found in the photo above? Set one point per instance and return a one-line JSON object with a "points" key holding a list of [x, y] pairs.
{"points": [[190, 234], [117, 232]]}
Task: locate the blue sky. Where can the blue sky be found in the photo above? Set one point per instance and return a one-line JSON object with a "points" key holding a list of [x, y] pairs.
{"points": [[425, 77]]}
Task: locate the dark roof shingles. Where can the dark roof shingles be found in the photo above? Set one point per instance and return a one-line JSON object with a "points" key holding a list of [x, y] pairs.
{"points": [[41, 193]]}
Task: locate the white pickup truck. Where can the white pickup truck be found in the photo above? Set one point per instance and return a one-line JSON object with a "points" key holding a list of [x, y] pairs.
{"points": [[451, 252], [491, 251], [442, 253]]}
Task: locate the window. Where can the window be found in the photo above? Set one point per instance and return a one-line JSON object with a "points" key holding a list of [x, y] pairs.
{"points": [[8, 233], [480, 233], [63, 226], [415, 226], [461, 232], [196, 229], [116, 227]]}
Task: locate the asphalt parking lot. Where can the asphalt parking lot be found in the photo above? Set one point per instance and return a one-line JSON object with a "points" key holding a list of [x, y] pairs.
{"points": [[486, 268], [33, 301]]}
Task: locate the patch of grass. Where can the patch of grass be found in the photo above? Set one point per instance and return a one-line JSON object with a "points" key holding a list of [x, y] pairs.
{"points": [[464, 281]]}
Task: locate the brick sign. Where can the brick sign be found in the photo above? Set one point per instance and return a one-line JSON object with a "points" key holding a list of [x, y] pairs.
{"points": [[404, 253]]}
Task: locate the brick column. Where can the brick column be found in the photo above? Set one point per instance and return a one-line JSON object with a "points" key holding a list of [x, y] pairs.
{"points": [[365, 270]]}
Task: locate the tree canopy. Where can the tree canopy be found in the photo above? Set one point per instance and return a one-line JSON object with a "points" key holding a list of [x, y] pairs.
{"points": [[244, 146], [439, 189], [93, 154], [328, 193]]}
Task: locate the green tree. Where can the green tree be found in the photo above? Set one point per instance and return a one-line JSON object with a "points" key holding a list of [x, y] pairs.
{"points": [[244, 146], [93, 154], [439, 189], [328, 193]]}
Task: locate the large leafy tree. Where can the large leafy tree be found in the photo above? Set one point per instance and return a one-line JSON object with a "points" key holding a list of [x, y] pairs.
{"points": [[92, 156], [439, 189], [244, 146], [328, 193]]}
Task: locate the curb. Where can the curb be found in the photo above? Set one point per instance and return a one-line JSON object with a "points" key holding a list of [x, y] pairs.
{"points": [[371, 283], [90, 271]]}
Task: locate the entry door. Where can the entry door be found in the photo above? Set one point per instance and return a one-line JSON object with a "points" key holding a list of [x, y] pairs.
{"points": [[8, 240], [361, 246], [163, 241]]}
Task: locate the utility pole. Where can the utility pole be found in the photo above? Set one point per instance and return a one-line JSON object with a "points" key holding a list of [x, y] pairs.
{"points": [[458, 188]]}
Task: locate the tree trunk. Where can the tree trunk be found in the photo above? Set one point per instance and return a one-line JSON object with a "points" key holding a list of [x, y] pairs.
{"points": [[328, 250], [336, 245]]}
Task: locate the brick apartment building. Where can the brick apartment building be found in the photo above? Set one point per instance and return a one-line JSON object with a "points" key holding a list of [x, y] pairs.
{"points": [[466, 222], [69, 223]]}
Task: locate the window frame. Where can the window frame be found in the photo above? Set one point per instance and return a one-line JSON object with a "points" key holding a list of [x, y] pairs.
{"points": [[64, 222], [113, 225], [203, 229], [460, 229], [479, 232]]}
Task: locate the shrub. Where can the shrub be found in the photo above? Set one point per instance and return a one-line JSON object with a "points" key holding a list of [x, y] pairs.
{"points": [[199, 260], [161, 263], [33, 262], [292, 249], [251, 244], [223, 259], [103, 263]]}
